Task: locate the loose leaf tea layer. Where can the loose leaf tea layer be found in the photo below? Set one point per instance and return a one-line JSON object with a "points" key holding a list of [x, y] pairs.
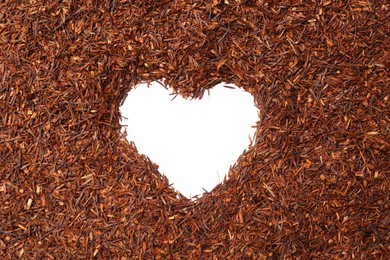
{"points": [[314, 185]]}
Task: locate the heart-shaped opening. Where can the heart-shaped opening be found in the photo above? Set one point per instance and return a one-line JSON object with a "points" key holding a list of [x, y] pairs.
{"points": [[193, 141]]}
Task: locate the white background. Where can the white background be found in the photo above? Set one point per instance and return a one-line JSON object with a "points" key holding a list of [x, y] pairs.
{"points": [[194, 142]]}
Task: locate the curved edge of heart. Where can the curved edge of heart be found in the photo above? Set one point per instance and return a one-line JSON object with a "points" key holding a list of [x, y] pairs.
{"points": [[194, 142]]}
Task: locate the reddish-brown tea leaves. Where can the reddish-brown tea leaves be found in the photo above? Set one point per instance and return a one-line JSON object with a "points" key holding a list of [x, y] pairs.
{"points": [[315, 183]]}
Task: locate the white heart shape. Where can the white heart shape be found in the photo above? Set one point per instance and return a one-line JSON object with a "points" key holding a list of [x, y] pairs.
{"points": [[194, 142]]}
